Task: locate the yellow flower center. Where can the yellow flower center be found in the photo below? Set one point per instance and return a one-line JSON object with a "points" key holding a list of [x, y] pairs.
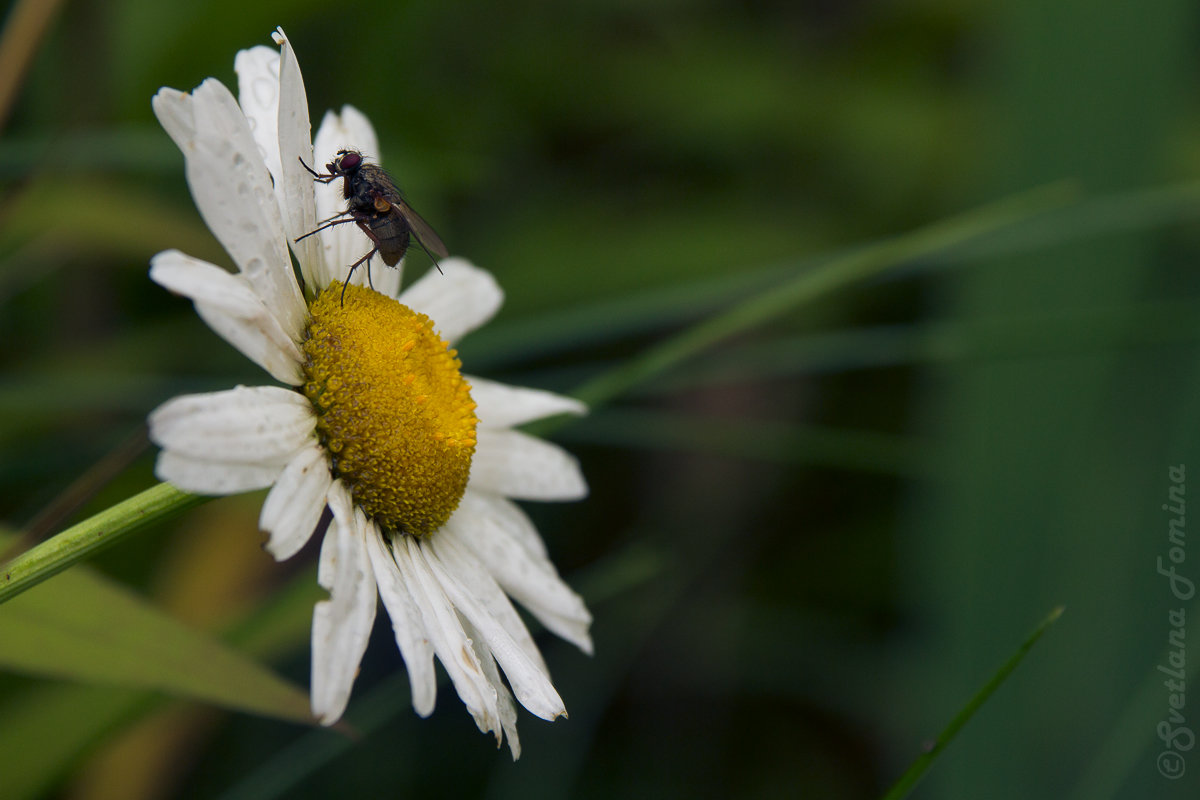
{"points": [[393, 410]]}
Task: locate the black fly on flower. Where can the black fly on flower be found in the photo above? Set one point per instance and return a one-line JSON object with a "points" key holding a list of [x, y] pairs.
{"points": [[377, 206]]}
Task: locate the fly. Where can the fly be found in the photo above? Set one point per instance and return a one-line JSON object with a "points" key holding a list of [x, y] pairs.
{"points": [[375, 204]]}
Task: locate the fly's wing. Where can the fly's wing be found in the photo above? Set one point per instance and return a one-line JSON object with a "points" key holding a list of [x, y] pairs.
{"points": [[420, 228], [382, 183]]}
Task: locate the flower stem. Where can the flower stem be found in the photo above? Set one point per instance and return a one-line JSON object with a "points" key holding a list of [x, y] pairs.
{"points": [[92, 535]]}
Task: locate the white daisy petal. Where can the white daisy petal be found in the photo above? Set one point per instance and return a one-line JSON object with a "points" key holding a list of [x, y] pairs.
{"points": [[263, 425], [471, 573], [341, 624], [255, 338], [505, 704], [233, 192], [518, 465], [224, 156], [230, 307], [194, 278], [338, 242], [293, 507], [529, 680], [202, 476], [174, 111], [451, 644], [497, 510], [295, 149], [258, 95], [503, 539], [504, 406], [459, 299], [358, 133], [407, 624]]}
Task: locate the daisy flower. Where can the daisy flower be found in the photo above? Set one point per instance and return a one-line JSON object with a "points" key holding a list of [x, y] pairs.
{"points": [[417, 465]]}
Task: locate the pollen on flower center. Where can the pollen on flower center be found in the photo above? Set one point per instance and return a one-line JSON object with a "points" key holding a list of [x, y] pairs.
{"points": [[393, 410]]}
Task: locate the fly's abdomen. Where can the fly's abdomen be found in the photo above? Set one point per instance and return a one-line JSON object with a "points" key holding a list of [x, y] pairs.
{"points": [[392, 237]]}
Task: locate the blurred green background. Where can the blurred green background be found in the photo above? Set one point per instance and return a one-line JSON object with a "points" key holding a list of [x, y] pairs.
{"points": [[807, 545]]}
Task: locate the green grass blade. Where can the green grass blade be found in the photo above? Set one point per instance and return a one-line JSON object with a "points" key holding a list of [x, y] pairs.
{"points": [[819, 282], [70, 719], [86, 628], [759, 440], [914, 773], [657, 309]]}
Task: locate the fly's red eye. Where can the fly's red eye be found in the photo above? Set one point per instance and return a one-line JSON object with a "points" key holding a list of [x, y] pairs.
{"points": [[349, 160]]}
